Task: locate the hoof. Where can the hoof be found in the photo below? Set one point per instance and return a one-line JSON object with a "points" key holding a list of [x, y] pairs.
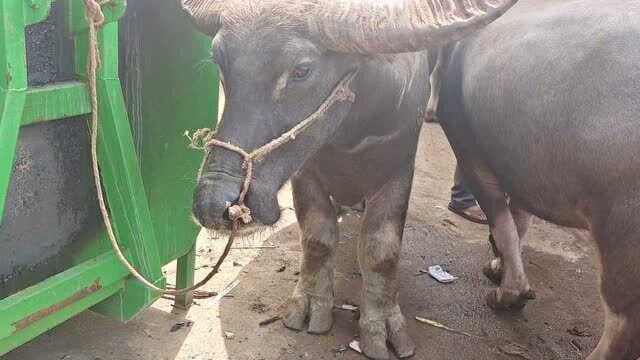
{"points": [[430, 116], [509, 301], [320, 318], [374, 336], [373, 340], [399, 337], [319, 312], [493, 271]]}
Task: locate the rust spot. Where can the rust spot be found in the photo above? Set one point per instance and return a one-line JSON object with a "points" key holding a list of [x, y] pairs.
{"points": [[44, 313]]}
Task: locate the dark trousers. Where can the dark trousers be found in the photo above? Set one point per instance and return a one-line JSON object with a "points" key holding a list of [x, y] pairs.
{"points": [[461, 196]]}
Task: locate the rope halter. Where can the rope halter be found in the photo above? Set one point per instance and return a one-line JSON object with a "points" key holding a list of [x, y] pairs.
{"points": [[204, 139]]}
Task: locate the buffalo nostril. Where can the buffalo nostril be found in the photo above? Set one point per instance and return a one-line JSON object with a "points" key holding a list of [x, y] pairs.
{"points": [[212, 200], [226, 215], [209, 212]]}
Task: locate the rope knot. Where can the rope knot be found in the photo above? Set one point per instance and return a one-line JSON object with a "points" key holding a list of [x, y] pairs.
{"points": [[94, 12], [200, 138], [240, 212], [343, 93]]}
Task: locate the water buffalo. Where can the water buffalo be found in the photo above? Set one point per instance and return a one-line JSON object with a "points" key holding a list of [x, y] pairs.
{"points": [[280, 60], [544, 105]]}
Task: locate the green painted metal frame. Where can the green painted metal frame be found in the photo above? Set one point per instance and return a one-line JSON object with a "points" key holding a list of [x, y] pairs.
{"points": [[139, 214]]}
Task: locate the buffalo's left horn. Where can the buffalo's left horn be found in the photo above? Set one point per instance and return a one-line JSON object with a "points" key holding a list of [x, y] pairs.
{"points": [[395, 26]]}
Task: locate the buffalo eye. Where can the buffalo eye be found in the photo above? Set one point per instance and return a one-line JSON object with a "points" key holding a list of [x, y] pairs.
{"points": [[301, 72]]}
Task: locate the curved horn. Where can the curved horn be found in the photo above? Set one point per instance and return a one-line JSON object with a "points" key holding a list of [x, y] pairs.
{"points": [[204, 15], [395, 26]]}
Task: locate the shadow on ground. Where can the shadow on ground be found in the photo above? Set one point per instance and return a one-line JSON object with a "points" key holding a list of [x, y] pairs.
{"points": [[90, 336]]}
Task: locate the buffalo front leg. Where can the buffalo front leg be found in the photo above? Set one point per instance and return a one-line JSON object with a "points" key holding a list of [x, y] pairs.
{"points": [[381, 320], [313, 296]]}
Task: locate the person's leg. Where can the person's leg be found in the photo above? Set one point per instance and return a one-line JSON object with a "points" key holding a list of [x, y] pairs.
{"points": [[461, 196], [463, 202]]}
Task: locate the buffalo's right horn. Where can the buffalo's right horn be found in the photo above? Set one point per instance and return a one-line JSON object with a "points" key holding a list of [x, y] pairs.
{"points": [[395, 26], [204, 14]]}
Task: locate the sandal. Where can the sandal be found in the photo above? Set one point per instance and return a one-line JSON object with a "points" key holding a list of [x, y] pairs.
{"points": [[473, 213]]}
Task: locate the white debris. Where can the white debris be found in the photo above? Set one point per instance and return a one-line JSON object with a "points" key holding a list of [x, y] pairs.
{"points": [[355, 346], [438, 273], [347, 307]]}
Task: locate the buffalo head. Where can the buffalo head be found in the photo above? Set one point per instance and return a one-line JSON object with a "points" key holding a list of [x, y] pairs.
{"points": [[280, 59]]}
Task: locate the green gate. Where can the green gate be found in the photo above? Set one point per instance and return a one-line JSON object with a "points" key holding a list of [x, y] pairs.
{"points": [[148, 172]]}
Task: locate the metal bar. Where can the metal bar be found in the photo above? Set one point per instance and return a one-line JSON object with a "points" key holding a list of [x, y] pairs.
{"points": [[13, 83], [54, 102], [36, 11], [185, 278], [13, 61], [57, 318], [42, 306], [123, 186]]}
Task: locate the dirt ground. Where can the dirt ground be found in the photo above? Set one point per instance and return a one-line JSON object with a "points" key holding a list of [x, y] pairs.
{"points": [[563, 323]]}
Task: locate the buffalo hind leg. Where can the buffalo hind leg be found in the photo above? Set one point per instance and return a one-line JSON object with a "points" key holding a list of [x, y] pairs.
{"points": [[381, 320], [514, 290], [312, 298], [493, 270], [617, 235]]}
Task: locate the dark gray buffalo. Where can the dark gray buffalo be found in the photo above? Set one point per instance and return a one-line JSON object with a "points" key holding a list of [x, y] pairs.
{"points": [[280, 60], [544, 105]]}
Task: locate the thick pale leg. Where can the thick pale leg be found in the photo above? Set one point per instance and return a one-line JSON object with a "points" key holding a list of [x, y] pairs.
{"points": [[435, 80], [619, 340], [313, 296], [381, 320], [493, 270], [617, 233], [432, 106], [514, 289]]}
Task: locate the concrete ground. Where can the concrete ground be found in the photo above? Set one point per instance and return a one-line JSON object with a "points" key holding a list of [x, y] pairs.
{"points": [[563, 323]]}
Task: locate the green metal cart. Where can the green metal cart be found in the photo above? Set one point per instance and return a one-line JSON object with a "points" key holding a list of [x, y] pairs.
{"points": [[153, 84]]}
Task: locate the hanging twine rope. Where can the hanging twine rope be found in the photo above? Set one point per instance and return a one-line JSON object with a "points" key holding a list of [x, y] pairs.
{"points": [[202, 139], [95, 19]]}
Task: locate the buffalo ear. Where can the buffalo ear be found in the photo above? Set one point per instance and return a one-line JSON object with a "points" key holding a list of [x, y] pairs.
{"points": [[204, 14]]}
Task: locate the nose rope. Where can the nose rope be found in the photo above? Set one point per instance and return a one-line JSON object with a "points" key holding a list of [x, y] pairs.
{"points": [[204, 139]]}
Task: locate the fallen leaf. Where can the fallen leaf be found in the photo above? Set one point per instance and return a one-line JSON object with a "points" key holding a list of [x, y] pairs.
{"points": [[575, 331], [514, 349], [180, 325], [270, 320]]}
